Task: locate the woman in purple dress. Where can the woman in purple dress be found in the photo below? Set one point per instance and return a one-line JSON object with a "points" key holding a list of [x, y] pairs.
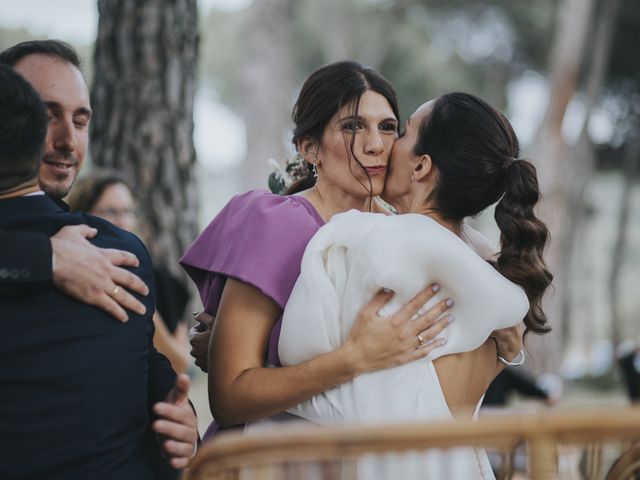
{"points": [[247, 260]]}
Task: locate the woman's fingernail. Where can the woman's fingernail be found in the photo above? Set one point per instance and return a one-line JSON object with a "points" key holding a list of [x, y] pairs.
{"points": [[435, 288], [386, 290], [449, 302], [450, 319]]}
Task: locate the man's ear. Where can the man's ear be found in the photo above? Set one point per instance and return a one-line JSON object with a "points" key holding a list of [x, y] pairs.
{"points": [[308, 148], [423, 167]]}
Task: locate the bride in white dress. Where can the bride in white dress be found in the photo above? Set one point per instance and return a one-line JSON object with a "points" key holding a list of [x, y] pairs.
{"points": [[458, 156]]}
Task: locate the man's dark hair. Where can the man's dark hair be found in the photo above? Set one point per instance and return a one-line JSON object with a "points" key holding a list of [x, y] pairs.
{"points": [[54, 48], [23, 128]]}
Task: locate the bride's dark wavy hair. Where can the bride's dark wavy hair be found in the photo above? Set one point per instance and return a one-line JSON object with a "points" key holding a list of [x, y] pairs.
{"points": [[476, 153], [323, 94]]}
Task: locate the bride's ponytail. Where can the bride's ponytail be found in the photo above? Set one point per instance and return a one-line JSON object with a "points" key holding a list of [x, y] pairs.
{"points": [[474, 149], [523, 237]]}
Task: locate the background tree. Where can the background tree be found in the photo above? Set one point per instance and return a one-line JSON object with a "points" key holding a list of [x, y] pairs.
{"points": [[143, 89], [265, 84]]}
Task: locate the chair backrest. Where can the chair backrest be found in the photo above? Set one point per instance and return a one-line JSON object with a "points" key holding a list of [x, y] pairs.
{"points": [[279, 450]]}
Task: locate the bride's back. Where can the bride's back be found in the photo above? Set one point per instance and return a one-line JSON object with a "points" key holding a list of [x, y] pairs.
{"points": [[465, 377]]}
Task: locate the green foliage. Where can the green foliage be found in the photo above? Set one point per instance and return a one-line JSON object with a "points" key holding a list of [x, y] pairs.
{"points": [[424, 48]]}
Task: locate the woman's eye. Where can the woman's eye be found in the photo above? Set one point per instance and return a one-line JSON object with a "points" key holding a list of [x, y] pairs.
{"points": [[351, 126], [388, 127]]}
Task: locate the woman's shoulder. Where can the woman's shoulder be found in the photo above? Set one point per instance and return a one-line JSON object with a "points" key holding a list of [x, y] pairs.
{"points": [[262, 204], [256, 233]]}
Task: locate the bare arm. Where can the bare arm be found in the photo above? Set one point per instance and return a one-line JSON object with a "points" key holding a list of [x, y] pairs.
{"points": [[508, 342], [91, 274], [242, 390], [174, 347]]}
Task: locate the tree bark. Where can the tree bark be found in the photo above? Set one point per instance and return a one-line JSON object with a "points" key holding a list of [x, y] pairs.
{"points": [[266, 80], [142, 96], [549, 152]]}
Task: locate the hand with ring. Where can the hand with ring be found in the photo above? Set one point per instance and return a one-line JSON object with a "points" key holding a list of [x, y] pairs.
{"points": [[80, 270], [377, 342]]}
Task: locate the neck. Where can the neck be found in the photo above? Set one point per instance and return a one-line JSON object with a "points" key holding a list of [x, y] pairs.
{"points": [[402, 203], [20, 190], [329, 200], [430, 210]]}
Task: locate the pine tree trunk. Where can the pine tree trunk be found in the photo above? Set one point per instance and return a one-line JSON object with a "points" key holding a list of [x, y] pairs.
{"points": [[550, 153], [582, 156], [142, 97], [266, 83]]}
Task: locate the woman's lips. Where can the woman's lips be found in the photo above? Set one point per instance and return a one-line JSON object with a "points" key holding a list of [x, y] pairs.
{"points": [[379, 170]]}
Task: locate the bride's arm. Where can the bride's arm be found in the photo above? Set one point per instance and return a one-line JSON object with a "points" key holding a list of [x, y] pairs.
{"points": [[242, 390], [508, 341]]}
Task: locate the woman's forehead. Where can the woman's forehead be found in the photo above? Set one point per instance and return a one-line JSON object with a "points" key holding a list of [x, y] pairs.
{"points": [[371, 105]]}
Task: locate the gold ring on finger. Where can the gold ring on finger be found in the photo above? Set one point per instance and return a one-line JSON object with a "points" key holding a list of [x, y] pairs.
{"points": [[420, 339], [115, 291]]}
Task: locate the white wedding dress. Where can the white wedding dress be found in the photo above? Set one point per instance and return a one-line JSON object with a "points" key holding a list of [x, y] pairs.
{"points": [[347, 261]]}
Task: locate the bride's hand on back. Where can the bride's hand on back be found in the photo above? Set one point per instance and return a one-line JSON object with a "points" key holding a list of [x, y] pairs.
{"points": [[377, 342]]}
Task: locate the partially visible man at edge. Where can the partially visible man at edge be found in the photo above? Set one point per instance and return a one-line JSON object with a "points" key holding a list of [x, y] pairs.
{"points": [[66, 259], [52, 67]]}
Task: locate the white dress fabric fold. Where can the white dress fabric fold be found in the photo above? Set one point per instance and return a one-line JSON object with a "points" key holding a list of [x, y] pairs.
{"points": [[346, 262]]}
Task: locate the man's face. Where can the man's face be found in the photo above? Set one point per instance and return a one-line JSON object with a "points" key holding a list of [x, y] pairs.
{"points": [[64, 93]]}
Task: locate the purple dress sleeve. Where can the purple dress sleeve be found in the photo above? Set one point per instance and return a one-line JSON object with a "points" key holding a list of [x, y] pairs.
{"points": [[258, 238]]}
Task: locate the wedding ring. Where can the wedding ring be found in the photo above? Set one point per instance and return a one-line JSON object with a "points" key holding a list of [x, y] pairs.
{"points": [[115, 291], [420, 340]]}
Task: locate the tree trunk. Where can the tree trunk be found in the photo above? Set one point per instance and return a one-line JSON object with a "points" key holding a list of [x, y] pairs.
{"points": [[630, 169], [582, 155], [549, 152], [266, 84], [142, 96]]}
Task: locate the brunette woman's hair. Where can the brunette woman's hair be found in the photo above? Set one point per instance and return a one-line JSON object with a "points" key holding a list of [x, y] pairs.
{"points": [[476, 153], [87, 190], [323, 94]]}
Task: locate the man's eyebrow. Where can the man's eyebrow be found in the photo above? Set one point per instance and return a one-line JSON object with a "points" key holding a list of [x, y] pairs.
{"points": [[54, 106]]}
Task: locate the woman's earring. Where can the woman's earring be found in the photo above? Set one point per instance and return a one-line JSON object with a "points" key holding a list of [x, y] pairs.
{"points": [[314, 169]]}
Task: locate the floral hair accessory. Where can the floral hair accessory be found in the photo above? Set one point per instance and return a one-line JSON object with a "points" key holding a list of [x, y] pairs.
{"points": [[280, 179]]}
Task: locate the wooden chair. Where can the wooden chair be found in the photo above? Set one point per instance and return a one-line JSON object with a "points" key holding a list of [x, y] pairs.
{"points": [[286, 452], [627, 467]]}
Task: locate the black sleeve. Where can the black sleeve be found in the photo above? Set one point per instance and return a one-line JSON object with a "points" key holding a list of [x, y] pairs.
{"points": [[25, 261], [172, 297], [162, 378], [524, 384], [630, 375]]}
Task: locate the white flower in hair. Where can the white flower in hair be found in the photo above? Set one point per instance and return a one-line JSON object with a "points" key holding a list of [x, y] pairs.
{"points": [[280, 179]]}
